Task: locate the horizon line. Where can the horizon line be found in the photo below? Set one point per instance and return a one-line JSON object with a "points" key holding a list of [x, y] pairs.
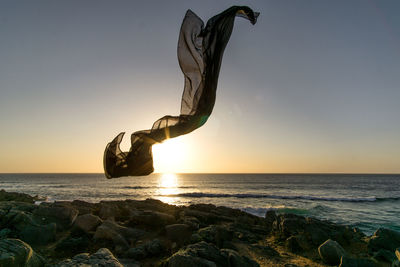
{"points": [[337, 173]]}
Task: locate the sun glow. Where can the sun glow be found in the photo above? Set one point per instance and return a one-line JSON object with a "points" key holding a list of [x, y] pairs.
{"points": [[168, 186], [170, 155]]}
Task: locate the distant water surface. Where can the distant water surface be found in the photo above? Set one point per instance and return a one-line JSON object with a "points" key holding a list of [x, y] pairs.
{"points": [[365, 201]]}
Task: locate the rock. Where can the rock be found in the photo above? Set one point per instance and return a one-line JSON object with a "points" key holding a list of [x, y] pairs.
{"points": [[4, 233], [39, 234], [83, 207], [292, 225], [192, 222], [60, 213], [215, 234], [235, 260], [205, 218], [103, 257], [14, 196], [149, 249], [210, 214], [120, 236], [106, 233], [314, 231], [331, 252], [14, 252], [87, 222], [292, 244], [317, 235], [28, 230], [137, 253], [199, 254], [208, 233], [245, 221], [130, 234], [396, 262], [151, 218], [270, 217], [346, 261], [384, 255], [72, 245], [115, 210], [184, 260], [384, 239], [195, 238], [205, 254], [154, 205], [179, 233], [154, 247], [129, 262], [265, 250]]}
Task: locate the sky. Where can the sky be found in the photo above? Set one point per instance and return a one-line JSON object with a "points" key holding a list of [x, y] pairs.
{"points": [[314, 86]]}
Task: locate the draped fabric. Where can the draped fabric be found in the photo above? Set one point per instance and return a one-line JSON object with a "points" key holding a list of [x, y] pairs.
{"points": [[200, 51]]}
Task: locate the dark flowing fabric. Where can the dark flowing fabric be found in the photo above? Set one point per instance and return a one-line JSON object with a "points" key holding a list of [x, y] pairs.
{"points": [[200, 51]]}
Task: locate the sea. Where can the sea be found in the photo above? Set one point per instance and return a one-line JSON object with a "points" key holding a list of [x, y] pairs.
{"points": [[366, 201]]}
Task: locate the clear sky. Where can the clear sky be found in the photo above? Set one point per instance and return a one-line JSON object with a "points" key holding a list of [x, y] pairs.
{"points": [[314, 86]]}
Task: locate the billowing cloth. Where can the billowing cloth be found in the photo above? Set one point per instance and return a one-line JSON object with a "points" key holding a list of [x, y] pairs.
{"points": [[200, 51]]}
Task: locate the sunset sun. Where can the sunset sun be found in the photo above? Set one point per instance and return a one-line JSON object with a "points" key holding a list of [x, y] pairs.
{"points": [[169, 155]]}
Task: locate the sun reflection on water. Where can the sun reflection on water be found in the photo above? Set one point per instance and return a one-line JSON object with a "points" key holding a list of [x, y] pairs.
{"points": [[168, 185]]}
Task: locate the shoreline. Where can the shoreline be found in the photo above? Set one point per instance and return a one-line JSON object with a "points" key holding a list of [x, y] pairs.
{"points": [[152, 233]]}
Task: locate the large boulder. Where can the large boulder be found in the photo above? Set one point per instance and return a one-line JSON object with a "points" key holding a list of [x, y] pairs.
{"points": [[14, 252], [151, 218], [84, 207], [60, 213], [179, 233], [384, 239], [28, 230], [103, 257], [216, 234], [15, 196], [87, 222], [39, 234], [114, 210], [205, 254], [331, 252], [7, 206], [289, 224], [120, 236]]}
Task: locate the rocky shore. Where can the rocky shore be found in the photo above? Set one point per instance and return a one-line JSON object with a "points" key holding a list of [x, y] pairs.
{"points": [[152, 233]]}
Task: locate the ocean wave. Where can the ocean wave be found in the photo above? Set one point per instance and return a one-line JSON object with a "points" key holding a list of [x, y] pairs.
{"points": [[317, 198], [137, 187], [155, 187]]}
